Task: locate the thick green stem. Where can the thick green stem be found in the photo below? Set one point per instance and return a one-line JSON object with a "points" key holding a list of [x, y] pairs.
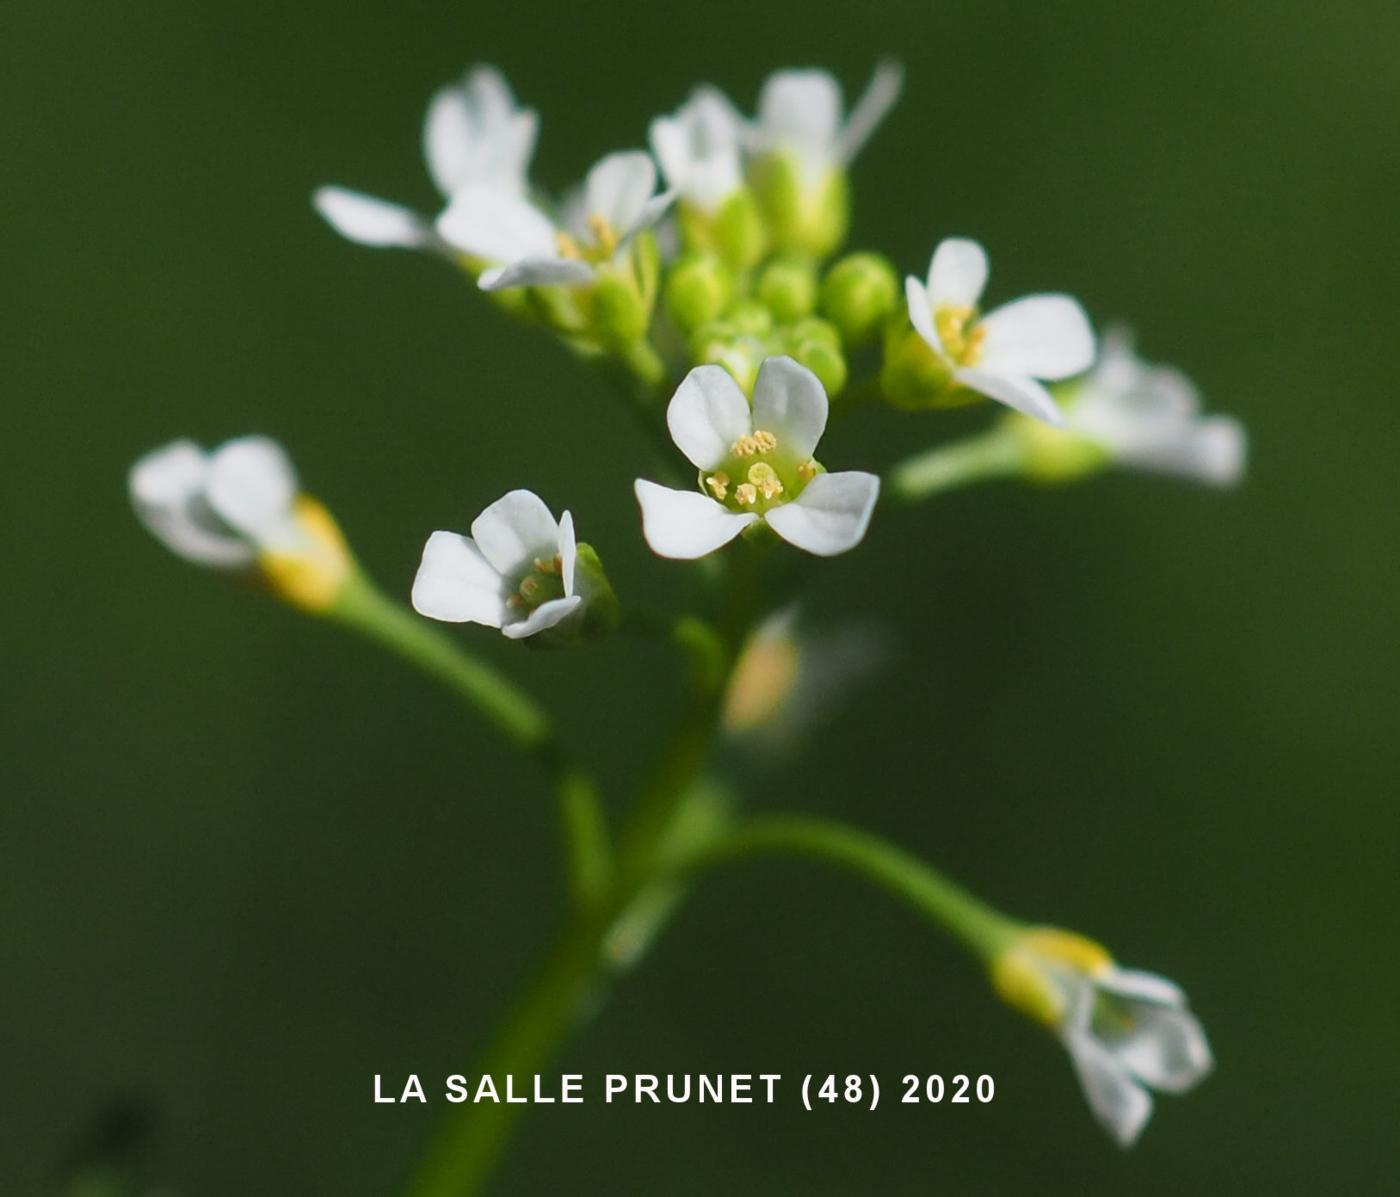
{"points": [[997, 453], [983, 929]]}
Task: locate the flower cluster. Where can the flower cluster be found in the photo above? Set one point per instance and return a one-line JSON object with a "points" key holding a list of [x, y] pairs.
{"points": [[707, 274]]}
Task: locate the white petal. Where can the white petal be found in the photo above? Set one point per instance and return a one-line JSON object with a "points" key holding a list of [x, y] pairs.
{"points": [[251, 487], [1212, 451], [801, 110], [546, 615], [1165, 1048], [652, 211], [1023, 394], [476, 134], [707, 414], [1141, 986], [698, 149], [455, 583], [618, 189], [957, 273], [920, 306], [1120, 1104], [536, 272], [831, 514], [568, 551], [167, 491], [790, 402], [369, 221], [684, 524], [497, 226], [873, 106], [514, 531], [1045, 336]]}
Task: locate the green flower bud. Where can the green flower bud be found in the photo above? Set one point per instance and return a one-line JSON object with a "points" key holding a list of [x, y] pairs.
{"points": [[620, 316], [749, 318], [808, 217], [698, 289], [815, 329], [859, 294], [1055, 455], [788, 288], [720, 343], [824, 360], [734, 230]]}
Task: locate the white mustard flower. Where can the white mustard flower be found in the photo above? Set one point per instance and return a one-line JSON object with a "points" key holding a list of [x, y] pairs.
{"points": [[1000, 355], [518, 571], [700, 151], [1149, 417], [525, 248], [755, 464], [475, 135], [800, 113], [1127, 1032], [240, 508]]}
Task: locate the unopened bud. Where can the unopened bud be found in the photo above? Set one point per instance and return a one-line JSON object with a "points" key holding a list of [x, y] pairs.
{"points": [[859, 294]]}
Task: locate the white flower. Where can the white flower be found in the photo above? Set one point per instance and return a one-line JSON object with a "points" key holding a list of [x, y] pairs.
{"points": [[515, 572], [1127, 1032], [699, 149], [526, 248], [475, 135], [755, 465], [1001, 354], [799, 112], [220, 509], [1150, 416]]}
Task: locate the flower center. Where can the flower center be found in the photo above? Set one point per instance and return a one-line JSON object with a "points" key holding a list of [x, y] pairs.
{"points": [[756, 475], [544, 582], [603, 245], [961, 334]]}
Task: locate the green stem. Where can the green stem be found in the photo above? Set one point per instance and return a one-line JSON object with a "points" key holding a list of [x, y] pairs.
{"points": [[997, 453], [979, 926]]}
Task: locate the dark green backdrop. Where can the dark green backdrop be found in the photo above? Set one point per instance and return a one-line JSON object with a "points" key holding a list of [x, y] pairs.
{"points": [[245, 864]]}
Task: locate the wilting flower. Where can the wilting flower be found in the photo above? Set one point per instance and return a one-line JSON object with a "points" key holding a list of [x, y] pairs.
{"points": [[1149, 417], [520, 570], [475, 135], [524, 247], [755, 465], [240, 508], [1002, 354], [1127, 1032]]}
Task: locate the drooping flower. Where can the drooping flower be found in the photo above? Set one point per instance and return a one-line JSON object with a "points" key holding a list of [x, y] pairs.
{"points": [[520, 570], [1149, 417], [1127, 1032], [1003, 354], [523, 247], [240, 508], [755, 464], [475, 135]]}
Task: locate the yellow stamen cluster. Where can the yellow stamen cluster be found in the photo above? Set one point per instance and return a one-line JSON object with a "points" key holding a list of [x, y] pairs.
{"points": [[757, 442], [719, 485], [960, 333]]}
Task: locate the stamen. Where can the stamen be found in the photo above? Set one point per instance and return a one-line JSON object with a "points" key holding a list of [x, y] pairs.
{"points": [[807, 470], [960, 333], [765, 441], [746, 494], [757, 442], [567, 246], [763, 476], [547, 567], [603, 233], [718, 484]]}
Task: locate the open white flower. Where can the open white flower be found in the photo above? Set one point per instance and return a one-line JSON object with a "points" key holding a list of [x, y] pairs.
{"points": [[517, 570], [1149, 416], [755, 464], [800, 113], [1004, 353], [1127, 1032], [526, 248], [699, 149], [475, 135], [220, 509]]}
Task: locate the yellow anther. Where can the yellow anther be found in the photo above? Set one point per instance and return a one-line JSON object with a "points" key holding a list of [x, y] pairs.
{"points": [[765, 441], [807, 470], [547, 567], [746, 494], [567, 246], [529, 586], [718, 484], [745, 446], [960, 333], [603, 234], [763, 476]]}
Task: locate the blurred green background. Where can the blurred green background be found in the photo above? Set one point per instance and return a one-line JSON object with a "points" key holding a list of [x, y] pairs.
{"points": [[245, 863]]}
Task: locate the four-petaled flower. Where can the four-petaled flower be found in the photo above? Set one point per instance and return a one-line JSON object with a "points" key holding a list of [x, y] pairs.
{"points": [[1126, 1031], [523, 247], [1149, 417], [1001, 354], [755, 465], [475, 135], [518, 571]]}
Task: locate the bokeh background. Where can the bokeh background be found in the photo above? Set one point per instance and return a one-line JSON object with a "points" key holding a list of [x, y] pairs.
{"points": [[246, 863]]}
